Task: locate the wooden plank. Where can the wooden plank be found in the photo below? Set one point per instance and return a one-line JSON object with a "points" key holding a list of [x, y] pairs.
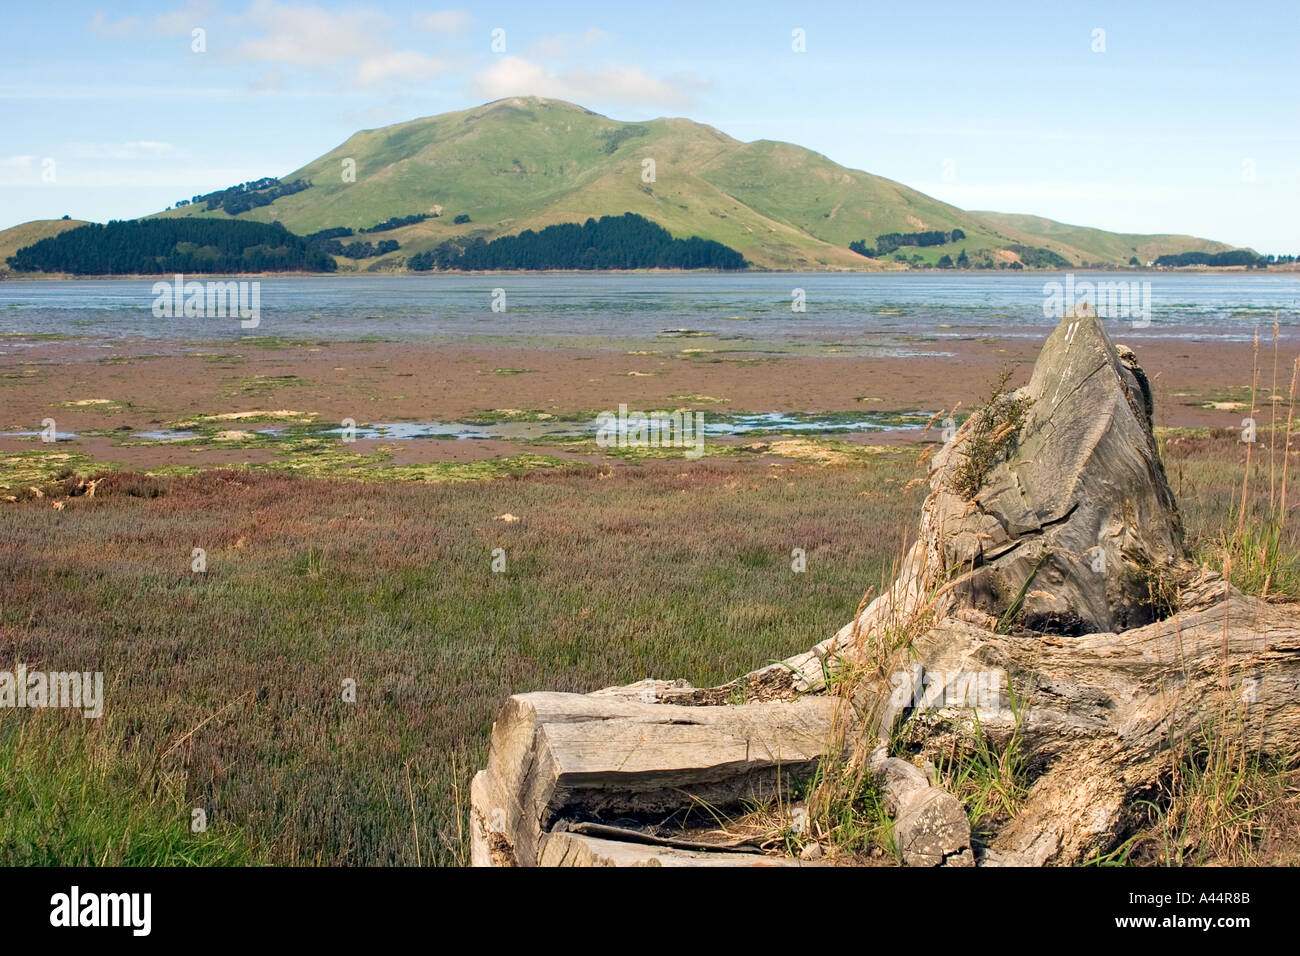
{"points": [[555, 755], [577, 849]]}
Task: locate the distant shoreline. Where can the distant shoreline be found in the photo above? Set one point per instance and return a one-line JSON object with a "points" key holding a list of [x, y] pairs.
{"points": [[1283, 269]]}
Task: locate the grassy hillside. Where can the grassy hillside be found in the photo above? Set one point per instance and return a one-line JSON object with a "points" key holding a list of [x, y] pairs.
{"points": [[528, 162], [1085, 244], [24, 234], [806, 190]]}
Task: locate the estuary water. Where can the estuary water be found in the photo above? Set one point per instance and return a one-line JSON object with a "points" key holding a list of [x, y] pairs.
{"points": [[753, 311]]}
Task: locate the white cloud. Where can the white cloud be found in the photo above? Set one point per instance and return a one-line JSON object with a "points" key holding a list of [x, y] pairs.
{"points": [[180, 22], [16, 162], [516, 76], [445, 21], [625, 84], [354, 42], [513, 75], [100, 25], [310, 36], [401, 65], [564, 44]]}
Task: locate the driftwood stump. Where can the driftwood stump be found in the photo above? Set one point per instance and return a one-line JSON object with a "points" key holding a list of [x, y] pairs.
{"points": [[1048, 600]]}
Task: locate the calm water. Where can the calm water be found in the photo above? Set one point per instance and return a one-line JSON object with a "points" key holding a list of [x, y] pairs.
{"points": [[748, 312]]}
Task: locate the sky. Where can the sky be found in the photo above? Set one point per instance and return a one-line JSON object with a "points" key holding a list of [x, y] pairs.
{"points": [[1135, 116]]}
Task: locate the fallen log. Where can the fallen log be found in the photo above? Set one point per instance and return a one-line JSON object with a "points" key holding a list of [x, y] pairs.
{"points": [[603, 758]]}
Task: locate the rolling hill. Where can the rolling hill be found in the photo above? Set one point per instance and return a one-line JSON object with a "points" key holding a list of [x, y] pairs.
{"points": [[27, 233], [529, 162], [1085, 244]]}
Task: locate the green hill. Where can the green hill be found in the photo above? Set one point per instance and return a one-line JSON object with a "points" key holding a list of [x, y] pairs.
{"points": [[28, 233], [1085, 244], [528, 162]]}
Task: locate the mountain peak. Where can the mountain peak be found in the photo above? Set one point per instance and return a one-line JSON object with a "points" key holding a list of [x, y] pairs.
{"points": [[527, 162]]}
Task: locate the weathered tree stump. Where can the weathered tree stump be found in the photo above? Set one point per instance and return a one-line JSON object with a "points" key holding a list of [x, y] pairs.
{"points": [[1049, 575]]}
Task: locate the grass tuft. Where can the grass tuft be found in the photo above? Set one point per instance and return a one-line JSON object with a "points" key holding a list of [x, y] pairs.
{"points": [[989, 436]]}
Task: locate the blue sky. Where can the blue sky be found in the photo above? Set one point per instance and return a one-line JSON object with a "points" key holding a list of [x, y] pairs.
{"points": [[1181, 117]]}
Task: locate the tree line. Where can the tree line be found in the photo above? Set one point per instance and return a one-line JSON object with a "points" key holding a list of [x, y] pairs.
{"points": [[185, 245], [628, 241], [327, 240], [396, 222], [1233, 257], [246, 196], [888, 242]]}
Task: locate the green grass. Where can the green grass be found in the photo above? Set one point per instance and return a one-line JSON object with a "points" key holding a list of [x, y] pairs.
{"points": [[1085, 244], [1220, 803], [848, 813], [27, 233], [1252, 542], [71, 795], [608, 580], [989, 777]]}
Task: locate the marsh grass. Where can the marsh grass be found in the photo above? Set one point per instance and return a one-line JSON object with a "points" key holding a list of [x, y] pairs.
{"points": [[610, 577], [1251, 549], [846, 807], [1214, 805], [1221, 802], [990, 778], [71, 794]]}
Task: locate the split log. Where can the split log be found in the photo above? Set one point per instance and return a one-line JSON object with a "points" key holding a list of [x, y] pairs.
{"points": [[573, 849], [556, 758]]}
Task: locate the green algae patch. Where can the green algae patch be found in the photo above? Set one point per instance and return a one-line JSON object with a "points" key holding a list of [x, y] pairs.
{"points": [[692, 398], [497, 416], [224, 419], [23, 468], [820, 451], [322, 462]]}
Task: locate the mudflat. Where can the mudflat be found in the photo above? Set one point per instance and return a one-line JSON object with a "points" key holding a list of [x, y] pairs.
{"points": [[147, 405]]}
